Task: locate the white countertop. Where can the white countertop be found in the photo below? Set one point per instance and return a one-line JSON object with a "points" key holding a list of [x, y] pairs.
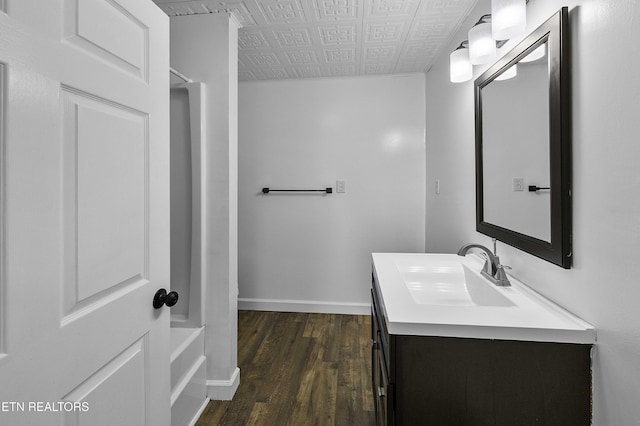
{"points": [[527, 316]]}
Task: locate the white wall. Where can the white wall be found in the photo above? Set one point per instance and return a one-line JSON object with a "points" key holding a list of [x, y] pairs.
{"points": [[204, 48], [604, 285], [313, 252]]}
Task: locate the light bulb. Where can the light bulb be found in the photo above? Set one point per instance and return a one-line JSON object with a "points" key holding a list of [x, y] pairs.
{"points": [[508, 18], [482, 46], [460, 69]]}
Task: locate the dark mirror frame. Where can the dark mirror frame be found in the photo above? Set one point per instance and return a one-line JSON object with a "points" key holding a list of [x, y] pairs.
{"points": [[554, 32]]}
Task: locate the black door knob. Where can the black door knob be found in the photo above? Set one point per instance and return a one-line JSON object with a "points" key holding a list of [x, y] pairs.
{"points": [[163, 298], [171, 299]]}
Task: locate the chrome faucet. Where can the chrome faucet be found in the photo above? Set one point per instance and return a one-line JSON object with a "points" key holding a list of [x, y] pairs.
{"points": [[492, 270]]}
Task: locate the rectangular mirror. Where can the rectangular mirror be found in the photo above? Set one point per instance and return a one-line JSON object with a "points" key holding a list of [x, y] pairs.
{"points": [[523, 145]]}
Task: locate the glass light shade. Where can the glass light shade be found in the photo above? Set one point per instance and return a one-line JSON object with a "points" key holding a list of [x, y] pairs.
{"points": [[509, 73], [482, 46], [460, 69], [508, 18], [537, 53]]}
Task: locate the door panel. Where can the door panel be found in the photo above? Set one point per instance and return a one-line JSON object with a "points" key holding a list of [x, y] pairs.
{"points": [[110, 147], [107, 30], [125, 376], [84, 185]]}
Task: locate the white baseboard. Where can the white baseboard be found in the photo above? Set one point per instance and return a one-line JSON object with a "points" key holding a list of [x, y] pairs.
{"points": [[308, 306], [196, 417], [223, 390]]}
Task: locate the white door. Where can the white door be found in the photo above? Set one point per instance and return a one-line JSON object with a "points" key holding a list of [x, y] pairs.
{"points": [[84, 186]]}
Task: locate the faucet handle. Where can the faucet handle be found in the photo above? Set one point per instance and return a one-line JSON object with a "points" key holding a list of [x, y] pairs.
{"points": [[501, 277], [487, 264]]}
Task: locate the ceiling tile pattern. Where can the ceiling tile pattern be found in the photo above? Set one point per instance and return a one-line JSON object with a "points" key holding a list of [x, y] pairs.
{"points": [[282, 39]]}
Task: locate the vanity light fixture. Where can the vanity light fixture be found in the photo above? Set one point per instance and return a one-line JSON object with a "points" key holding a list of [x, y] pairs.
{"points": [[482, 46], [460, 68], [508, 18]]}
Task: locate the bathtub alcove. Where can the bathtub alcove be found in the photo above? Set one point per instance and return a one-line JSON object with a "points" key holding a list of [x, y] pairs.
{"points": [[188, 361]]}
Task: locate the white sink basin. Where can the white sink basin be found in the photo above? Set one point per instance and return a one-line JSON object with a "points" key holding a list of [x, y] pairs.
{"points": [[452, 284], [445, 295]]}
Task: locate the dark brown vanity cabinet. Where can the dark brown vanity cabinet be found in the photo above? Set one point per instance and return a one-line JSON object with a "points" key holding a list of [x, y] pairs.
{"points": [[445, 381], [382, 390]]}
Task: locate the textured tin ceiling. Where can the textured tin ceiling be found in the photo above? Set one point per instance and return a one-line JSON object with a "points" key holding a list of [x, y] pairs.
{"points": [[282, 39]]}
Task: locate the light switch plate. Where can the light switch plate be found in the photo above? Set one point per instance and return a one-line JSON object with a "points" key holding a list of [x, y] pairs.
{"points": [[518, 184]]}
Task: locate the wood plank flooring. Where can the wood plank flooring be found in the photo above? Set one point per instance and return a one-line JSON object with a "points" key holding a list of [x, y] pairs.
{"points": [[299, 369]]}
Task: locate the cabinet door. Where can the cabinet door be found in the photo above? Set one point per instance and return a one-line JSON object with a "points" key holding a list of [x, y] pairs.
{"points": [[379, 384], [375, 362], [382, 391]]}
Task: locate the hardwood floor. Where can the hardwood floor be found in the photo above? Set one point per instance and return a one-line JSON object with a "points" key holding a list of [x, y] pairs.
{"points": [[299, 369]]}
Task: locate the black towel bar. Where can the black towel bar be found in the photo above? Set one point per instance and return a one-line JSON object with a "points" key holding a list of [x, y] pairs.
{"points": [[326, 190], [534, 188]]}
